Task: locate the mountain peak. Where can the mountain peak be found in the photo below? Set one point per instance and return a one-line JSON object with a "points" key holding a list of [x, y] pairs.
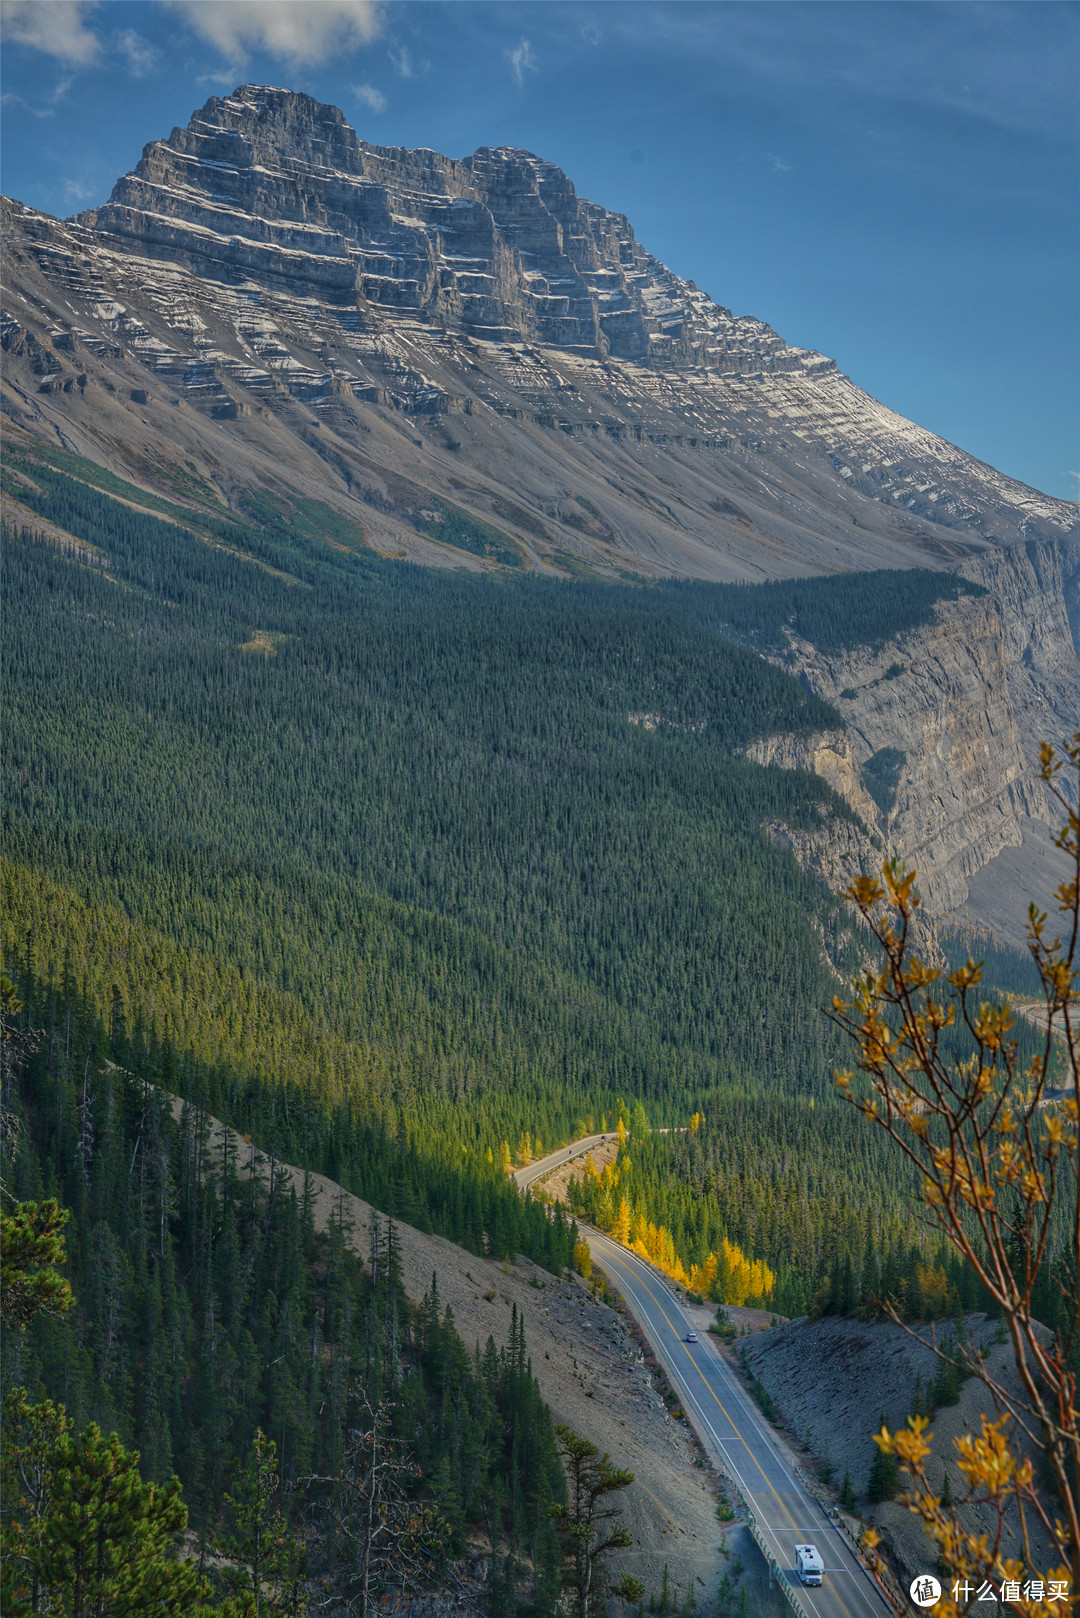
{"points": [[268, 99], [385, 320], [499, 245]]}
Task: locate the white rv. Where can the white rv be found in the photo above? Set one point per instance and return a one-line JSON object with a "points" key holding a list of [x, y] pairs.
{"points": [[808, 1564]]}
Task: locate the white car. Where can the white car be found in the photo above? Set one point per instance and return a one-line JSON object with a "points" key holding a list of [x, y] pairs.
{"points": [[691, 1337]]}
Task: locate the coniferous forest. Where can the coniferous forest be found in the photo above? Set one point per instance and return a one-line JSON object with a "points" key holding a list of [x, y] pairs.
{"points": [[232, 1347], [391, 869]]}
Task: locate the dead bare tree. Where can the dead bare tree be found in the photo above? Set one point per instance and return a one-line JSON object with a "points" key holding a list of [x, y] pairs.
{"points": [[376, 1536]]}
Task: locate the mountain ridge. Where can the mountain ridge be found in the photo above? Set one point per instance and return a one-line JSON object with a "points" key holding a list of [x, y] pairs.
{"points": [[394, 325], [375, 206]]}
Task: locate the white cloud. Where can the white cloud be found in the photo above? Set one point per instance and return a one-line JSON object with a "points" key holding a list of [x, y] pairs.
{"points": [[1012, 65], [295, 31], [48, 105], [371, 97], [521, 60], [140, 55], [779, 167], [223, 77], [11, 99], [54, 26], [401, 60], [78, 191]]}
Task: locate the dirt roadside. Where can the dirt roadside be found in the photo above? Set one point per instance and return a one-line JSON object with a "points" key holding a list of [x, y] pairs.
{"points": [[590, 1373], [555, 1184], [744, 1564]]}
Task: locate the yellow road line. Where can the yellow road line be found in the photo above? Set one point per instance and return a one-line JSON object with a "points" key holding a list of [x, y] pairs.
{"points": [[524, 1184], [720, 1403]]}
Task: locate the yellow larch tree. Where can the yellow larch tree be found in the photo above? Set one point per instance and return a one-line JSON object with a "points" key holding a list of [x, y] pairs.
{"points": [[621, 1228], [996, 1144]]}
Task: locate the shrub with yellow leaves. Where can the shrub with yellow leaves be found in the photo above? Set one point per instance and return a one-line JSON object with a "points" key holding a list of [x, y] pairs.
{"points": [[996, 1146]]}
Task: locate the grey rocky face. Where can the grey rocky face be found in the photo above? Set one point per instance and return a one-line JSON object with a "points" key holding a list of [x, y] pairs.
{"points": [[268, 302], [500, 245], [328, 308], [959, 708]]}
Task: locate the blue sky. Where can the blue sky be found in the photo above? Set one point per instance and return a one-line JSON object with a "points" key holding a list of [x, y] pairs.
{"points": [[894, 184]]}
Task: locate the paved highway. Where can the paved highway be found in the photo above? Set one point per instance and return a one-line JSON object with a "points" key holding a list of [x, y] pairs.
{"points": [[577, 1148], [733, 1430]]}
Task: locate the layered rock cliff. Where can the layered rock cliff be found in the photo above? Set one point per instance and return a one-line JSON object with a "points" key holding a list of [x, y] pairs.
{"points": [[271, 307], [944, 724], [498, 244], [275, 301]]}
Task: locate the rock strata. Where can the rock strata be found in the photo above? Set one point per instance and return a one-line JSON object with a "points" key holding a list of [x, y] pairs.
{"points": [[828, 753], [959, 708], [499, 245], [269, 269], [281, 307]]}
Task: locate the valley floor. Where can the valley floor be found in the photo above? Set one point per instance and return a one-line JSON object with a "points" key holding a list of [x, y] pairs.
{"points": [[589, 1371]]}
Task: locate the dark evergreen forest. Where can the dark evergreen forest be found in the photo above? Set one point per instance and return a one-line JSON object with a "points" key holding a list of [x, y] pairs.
{"points": [[213, 1327], [390, 866], [411, 816], [391, 869]]}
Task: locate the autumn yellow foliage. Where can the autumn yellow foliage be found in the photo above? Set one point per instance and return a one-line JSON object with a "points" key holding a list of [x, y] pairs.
{"points": [[735, 1278], [726, 1274], [995, 1141]]}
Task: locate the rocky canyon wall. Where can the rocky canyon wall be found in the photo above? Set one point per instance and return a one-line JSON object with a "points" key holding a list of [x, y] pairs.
{"points": [[944, 724]]}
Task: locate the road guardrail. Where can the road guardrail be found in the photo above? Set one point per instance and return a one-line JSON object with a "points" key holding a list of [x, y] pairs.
{"points": [[781, 1575], [786, 1586]]}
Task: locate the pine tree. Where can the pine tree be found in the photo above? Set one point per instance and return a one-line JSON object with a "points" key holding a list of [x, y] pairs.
{"points": [[590, 1528], [922, 1399], [264, 1557], [90, 1535], [884, 1479], [31, 1246], [725, 1597], [948, 1376]]}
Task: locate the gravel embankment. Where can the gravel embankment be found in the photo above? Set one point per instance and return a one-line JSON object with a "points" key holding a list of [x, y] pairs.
{"points": [[590, 1373], [833, 1379]]}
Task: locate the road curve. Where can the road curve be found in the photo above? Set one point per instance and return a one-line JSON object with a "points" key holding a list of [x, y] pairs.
{"points": [[543, 1165], [732, 1428]]}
